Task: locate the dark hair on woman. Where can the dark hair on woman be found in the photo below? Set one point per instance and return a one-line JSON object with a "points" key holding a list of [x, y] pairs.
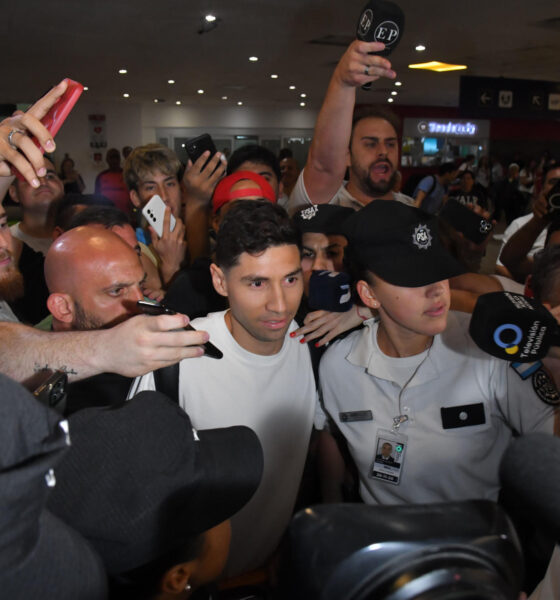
{"points": [[253, 226], [142, 583], [545, 281]]}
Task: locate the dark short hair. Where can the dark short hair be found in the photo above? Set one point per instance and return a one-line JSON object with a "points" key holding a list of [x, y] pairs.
{"points": [[545, 281], [372, 111], [550, 167], [253, 226], [108, 216], [447, 167], [466, 172], [256, 154], [63, 210]]}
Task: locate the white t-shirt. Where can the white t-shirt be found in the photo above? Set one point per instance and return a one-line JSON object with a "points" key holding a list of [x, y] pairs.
{"points": [[6, 313], [273, 395], [515, 226], [299, 198], [461, 404], [41, 245]]}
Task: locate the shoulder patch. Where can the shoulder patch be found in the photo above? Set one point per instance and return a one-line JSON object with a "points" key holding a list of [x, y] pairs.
{"points": [[545, 388], [525, 370]]}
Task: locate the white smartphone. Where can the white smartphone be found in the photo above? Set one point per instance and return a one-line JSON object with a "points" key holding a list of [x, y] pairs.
{"points": [[154, 212]]}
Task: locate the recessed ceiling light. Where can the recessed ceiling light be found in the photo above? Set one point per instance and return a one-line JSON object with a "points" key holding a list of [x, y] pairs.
{"points": [[303, 95], [86, 88], [389, 99], [420, 48], [200, 91], [437, 66], [398, 83], [156, 100], [224, 97], [292, 87], [274, 76], [393, 93], [171, 81], [253, 58], [240, 103], [126, 95], [302, 103], [178, 103], [123, 71], [210, 18]]}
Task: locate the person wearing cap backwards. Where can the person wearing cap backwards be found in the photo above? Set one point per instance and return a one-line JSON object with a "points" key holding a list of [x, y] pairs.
{"points": [[413, 378], [192, 292]]}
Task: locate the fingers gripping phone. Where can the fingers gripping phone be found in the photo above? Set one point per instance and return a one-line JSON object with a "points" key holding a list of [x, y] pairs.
{"points": [[154, 213], [195, 147], [149, 307], [57, 114]]}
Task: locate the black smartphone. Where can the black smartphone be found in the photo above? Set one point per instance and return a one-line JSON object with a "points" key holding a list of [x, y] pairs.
{"points": [[474, 227], [150, 307], [195, 147]]}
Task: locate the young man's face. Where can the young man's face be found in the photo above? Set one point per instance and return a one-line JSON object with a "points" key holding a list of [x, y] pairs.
{"points": [[264, 292], [374, 156], [263, 170], [164, 185], [320, 252], [38, 200], [11, 280]]}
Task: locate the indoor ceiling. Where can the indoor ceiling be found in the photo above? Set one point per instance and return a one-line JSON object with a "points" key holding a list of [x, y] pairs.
{"points": [[43, 41]]}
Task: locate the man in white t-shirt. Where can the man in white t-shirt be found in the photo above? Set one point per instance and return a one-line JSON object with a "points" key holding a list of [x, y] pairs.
{"points": [[264, 380], [365, 141]]}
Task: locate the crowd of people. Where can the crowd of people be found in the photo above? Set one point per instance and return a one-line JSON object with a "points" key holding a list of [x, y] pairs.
{"points": [[340, 307]]}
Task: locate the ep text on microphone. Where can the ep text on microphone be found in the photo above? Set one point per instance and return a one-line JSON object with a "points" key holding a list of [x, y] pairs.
{"points": [[513, 327], [530, 469], [330, 291], [381, 21]]}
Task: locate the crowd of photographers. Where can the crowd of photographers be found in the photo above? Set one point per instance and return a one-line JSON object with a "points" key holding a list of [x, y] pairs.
{"points": [[329, 359]]}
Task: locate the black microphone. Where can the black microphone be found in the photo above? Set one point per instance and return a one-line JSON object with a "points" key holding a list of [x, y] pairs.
{"points": [[330, 291], [381, 21], [513, 327], [530, 469]]}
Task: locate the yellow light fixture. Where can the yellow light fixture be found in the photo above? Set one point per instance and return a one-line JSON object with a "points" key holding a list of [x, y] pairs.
{"points": [[437, 66]]}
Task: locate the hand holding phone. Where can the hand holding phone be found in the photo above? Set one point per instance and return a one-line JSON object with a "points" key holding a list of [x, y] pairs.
{"points": [[196, 147], [154, 213], [149, 307]]}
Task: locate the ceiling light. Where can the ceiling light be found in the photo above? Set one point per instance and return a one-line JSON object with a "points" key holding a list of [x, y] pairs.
{"points": [[240, 103], [398, 83], [437, 66], [420, 48], [224, 97], [274, 76], [210, 18], [200, 91], [253, 58], [86, 88], [302, 103], [393, 93], [126, 95], [303, 95], [171, 81], [292, 87], [182, 145], [156, 100], [389, 99], [123, 71], [178, 103]]}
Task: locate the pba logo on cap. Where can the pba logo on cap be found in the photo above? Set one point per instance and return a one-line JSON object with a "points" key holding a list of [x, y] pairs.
{"points": [[511, 347]]}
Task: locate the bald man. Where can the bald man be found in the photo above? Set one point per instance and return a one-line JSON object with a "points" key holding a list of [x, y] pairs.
{"points": [[94, 279]]}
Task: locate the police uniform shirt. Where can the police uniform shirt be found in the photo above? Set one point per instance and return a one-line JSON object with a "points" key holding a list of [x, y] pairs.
{"points": [[462, 407]]}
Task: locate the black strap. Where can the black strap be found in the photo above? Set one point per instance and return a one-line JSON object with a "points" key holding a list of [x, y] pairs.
{"points": [[166, 380]]}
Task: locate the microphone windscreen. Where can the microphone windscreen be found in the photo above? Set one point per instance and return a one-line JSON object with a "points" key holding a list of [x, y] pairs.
{"points": [[512, 327], [381, 21], [330, 291], [530, 470]]}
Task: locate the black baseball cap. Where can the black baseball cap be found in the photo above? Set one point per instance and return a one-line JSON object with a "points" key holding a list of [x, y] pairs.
{"points": [[399, 243], [322, 218], [139, 480]]}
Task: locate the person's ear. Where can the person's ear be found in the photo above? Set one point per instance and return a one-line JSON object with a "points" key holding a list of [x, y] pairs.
{"points": [[176, 580], [218, 279], [135, 199], [12, 190], [367, 295], [61, 307]]}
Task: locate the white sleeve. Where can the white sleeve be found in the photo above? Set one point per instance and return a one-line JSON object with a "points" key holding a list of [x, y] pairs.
{"points": [[141, 384], [299, 197]]}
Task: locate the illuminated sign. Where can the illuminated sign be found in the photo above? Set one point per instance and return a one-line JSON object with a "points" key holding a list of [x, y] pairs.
{"points": [[449, 128]]}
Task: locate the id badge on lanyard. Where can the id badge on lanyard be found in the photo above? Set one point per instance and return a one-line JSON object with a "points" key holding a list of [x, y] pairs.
{"points": [[388, 460]]}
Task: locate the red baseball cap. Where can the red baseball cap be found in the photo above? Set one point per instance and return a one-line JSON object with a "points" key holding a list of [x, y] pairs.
{"points": [[224, 194]]}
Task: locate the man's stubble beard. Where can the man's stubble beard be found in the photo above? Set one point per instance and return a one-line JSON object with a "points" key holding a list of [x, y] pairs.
{"points": [[368, 186], [11, 284]]}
